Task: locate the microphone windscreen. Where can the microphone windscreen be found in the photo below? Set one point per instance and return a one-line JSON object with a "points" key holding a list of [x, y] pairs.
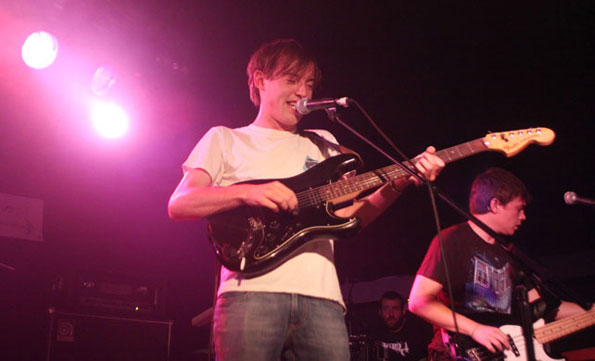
{"points": [[569, 197]]}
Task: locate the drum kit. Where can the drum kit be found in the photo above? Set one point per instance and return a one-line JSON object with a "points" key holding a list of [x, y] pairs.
{"points": [[363, 348]]}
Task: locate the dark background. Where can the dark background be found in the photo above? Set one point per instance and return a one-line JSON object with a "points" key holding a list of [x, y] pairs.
{"points": [[439, 74]]}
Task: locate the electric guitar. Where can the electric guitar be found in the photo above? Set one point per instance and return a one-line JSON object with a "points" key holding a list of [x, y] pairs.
{"points": [[471, 350], [254, 240]]}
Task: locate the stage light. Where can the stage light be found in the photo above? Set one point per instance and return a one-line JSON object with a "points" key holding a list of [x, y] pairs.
{"points": [[39, 50], [109, 120], [103, 80]]}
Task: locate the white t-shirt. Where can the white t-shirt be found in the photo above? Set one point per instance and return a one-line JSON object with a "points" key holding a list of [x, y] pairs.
{"points": [[234, 155]]}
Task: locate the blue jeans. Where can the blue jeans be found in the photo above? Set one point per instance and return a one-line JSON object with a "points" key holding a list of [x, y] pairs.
{"points": [[264, 326]]}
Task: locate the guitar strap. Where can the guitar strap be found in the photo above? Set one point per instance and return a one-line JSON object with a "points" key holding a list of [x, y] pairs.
{"points": [[324, 145]]}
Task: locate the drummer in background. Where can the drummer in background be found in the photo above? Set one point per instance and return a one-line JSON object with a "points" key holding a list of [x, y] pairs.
{"points": [[400, 335]]}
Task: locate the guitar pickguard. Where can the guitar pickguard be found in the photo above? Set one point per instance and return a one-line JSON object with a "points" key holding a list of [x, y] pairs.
{"points": [[254, 240], [470, 350], [265, 239]]}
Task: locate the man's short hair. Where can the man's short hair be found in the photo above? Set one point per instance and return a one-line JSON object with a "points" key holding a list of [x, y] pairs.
{"points": [[277, 58], [392, 295], [495, 183]]}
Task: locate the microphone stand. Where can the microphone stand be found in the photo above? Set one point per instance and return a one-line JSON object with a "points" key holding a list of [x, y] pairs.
{"points": [[526, 321], [334, 116], [525, 264]]}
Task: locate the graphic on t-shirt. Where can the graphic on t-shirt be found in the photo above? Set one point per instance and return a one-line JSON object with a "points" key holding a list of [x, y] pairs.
{"points": [[309, 163], [488, 288], [401, 348]]}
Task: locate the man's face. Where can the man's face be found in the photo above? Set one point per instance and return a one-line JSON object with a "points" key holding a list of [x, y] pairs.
{"points": [[391, 312], [508, 217], [280, 95]]}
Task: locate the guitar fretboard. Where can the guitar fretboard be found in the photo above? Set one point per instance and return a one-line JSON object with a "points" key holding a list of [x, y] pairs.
{"points": [[564, 327], [378, 177]]}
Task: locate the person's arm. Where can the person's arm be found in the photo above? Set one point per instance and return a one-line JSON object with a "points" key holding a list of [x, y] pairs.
{"points": [[423, 301], [195, 197], [370, 207], [569, 309], [566, 309]]}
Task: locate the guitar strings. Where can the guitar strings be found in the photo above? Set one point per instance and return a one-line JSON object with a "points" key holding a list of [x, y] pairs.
{"points": [[314, 196], [552, 330]]}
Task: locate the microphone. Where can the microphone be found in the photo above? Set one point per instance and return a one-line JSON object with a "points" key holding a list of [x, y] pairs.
{"points": [[571, 198], [305, 106]]}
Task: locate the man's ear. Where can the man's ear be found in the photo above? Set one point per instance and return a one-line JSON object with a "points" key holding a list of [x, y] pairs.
{"points": [[259, 80], [495, 205]]}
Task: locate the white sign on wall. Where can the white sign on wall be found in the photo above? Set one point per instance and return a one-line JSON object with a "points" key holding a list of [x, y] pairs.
{"points": [[21, 217]]}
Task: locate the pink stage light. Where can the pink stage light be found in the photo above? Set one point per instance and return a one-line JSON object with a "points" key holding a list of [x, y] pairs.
{"points": [[40, 50], [109, 120]]}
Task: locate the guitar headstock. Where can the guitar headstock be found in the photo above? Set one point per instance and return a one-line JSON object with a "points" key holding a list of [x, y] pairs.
{"points": [[514, 141]]}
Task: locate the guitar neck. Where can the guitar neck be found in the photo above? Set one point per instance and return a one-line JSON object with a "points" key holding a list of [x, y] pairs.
{"points": [[448, 155], [564, 327], [378, 177]]}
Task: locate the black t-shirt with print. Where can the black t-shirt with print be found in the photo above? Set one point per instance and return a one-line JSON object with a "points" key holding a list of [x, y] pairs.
{"points": [[481, 274], [410, 343]]}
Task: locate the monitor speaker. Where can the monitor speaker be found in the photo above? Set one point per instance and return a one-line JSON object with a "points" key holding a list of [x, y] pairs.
{"points": [[95, 337]]}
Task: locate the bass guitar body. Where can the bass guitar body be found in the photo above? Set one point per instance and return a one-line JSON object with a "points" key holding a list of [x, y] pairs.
{"points": [[470, 350]]}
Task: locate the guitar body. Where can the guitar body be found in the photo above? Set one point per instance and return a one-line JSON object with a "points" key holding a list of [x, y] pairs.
{"points": [[254, 240], [516, 332], [470, 350]]}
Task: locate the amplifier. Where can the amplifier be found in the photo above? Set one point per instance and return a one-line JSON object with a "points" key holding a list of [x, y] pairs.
{"points": [[108, 292], [90, 337]]}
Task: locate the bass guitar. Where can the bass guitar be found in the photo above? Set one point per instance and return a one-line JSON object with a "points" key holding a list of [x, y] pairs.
{"points": [[254, 240], [542, 333]]}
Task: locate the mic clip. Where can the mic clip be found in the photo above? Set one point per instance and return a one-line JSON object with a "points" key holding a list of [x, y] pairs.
{"points": [[331, 113]]}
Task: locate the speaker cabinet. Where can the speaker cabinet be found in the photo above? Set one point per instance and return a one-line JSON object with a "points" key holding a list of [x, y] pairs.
{"points": [[91, 337]]}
